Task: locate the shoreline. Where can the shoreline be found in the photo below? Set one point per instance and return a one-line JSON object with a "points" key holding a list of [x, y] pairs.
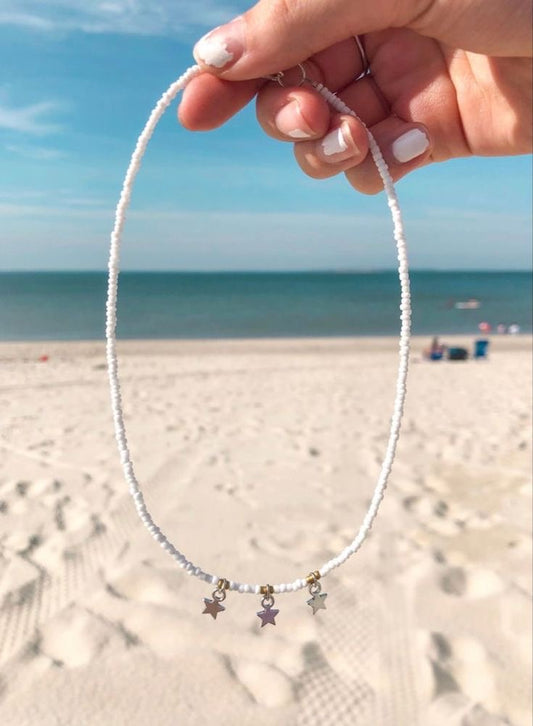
{"points": [[206, 346]]}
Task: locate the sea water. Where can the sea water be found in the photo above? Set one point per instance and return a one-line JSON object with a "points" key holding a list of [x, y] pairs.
{"points": [[71, 305]]}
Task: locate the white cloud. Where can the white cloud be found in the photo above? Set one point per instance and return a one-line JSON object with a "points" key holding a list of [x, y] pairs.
{"points": [[21, 196], [37, 153], [20, 209], [25, 20], [136, 17], [29, 119]]}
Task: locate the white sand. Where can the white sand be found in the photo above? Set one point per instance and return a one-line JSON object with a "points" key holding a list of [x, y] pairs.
{"points": [[258, 459]]}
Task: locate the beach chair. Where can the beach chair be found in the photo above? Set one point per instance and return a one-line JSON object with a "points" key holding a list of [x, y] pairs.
{"points": [[481, 349]]}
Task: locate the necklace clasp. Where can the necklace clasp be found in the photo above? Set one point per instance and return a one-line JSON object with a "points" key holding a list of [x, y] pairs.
{"points": [[280, 75]]}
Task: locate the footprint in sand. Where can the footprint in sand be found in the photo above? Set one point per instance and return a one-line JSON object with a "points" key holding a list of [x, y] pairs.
{"points": [[461, 665], [163, 630], [296, 541], [266, 685], [61, 566], [434, 514], [144, 583], [421, 507], [43, 487], [456, 709], [19, 574], [471, 583], [76, 637]]}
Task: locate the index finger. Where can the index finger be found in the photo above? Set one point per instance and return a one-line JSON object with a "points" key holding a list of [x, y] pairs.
{"points": [[209, 101]]}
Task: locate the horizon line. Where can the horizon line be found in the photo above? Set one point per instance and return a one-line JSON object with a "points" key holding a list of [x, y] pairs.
{"points": [[264, 271]]}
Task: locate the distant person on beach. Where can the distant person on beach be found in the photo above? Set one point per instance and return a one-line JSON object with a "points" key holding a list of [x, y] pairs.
{"points": [[435, 351], [432, 80]]}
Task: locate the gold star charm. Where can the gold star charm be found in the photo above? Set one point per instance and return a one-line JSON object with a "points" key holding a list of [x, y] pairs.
{"points": [[318, 602], [267, 616], [212, 607]]}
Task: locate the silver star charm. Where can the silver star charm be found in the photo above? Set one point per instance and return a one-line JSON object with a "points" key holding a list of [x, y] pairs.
{"points": [[212, 607], [267, 616], [318, 602]]}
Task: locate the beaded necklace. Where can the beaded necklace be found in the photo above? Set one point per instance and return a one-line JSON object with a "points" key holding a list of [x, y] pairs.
{"points": [[213, 606]]}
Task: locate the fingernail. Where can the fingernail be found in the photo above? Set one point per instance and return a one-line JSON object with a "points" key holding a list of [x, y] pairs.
{"points": [[410, 145], [222, 47], [338, 144], [290, 122]]}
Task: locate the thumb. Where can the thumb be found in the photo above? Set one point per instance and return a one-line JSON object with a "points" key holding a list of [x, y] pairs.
{"points": [[277, 34]]}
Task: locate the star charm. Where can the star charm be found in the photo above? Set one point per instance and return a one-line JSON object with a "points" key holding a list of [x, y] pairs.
{"points": [[267, 616], [318, 602], [212, 607]]}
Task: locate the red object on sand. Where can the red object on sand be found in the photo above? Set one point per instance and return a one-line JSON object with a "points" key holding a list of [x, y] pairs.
{"points": [[44, 358]]}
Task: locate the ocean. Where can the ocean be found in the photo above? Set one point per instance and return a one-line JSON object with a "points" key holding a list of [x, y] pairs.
{"points": [[71, 305]]}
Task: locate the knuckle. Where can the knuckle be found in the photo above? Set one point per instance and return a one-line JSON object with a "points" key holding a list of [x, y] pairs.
{"points": [[312, 166], [364, 180]]}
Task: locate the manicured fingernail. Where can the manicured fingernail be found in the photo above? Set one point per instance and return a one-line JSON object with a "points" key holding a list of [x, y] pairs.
{"points": [[338, 144], [222, 47], [410, 145], [290, 122]]}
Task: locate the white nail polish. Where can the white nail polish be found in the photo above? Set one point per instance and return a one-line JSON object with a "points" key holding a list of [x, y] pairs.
{"points": [[212, 51], [334, 143], [299, 134], [410, 145]]}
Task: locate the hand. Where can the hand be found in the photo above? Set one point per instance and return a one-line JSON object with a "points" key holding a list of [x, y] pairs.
{"points": [[449, 78]]}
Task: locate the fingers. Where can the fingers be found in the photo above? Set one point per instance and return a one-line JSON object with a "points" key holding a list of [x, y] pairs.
{"points": [[328, 143], [405, 147], [209, 101], [292, 114], [344, 146], [276, 34], [289, 112]]}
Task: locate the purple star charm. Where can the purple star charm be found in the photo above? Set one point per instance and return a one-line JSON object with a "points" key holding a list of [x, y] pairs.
{"points": [[267, 615], [212, 607]]}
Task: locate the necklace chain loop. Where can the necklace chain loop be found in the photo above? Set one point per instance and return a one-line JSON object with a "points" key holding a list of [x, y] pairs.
{"points": [[222, 585]]}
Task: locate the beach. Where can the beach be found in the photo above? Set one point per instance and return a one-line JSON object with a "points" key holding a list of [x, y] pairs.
{"points": [[258, 459]]}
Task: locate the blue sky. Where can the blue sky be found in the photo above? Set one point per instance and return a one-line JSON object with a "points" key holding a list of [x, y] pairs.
{"points": [[77, 81]]}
